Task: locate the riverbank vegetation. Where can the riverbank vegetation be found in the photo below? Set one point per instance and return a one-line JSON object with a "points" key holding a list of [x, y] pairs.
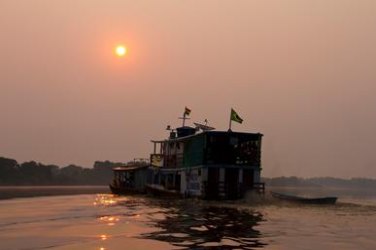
{"points": [[34, 173]]}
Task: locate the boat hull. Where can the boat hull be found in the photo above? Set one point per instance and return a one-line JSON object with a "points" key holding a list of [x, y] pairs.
{"points": [[160, 191], [125, 191], [305, 200]]}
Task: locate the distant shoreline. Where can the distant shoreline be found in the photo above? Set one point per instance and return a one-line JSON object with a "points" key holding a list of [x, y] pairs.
{"points": [[10, 192]]}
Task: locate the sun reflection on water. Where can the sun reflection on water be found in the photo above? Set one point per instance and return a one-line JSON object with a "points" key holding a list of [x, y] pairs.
{"points": [[103, 237], [105, 200], [109, 220]]}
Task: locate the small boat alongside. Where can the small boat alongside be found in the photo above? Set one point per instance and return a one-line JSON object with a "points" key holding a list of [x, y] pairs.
{"points": [[304, 200], [129, 179]]}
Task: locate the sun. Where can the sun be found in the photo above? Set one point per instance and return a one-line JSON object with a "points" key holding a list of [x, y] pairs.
{"points": [[120, 50]]}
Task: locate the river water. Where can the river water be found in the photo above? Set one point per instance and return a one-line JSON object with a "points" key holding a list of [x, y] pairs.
{"points": [[104, 222]]}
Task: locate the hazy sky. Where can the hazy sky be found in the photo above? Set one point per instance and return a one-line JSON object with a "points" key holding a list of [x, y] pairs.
{"points": [[302, 72]]}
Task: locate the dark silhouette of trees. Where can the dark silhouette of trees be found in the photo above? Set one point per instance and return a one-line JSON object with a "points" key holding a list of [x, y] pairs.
{"points": [[8, 170], [33, 173]]}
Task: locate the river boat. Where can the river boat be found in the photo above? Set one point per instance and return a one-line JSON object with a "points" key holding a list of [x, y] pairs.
{"points": [[304, 200], [200, 162]]}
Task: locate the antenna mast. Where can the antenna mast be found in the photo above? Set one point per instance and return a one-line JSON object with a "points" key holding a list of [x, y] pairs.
{"points": [[184, 118], [187, 111]]}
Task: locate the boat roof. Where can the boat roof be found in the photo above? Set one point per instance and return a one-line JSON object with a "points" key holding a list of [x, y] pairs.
{"points": [[208, 133], [129, 168]]}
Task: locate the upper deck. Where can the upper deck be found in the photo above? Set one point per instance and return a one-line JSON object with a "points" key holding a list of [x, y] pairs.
{"points": [[208, 148]]}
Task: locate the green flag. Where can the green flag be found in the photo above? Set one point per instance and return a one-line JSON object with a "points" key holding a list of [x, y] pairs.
{"points": [[235, 117]]}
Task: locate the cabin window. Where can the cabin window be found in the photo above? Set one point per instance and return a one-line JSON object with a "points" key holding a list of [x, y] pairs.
{"points": [[237, 150], [248, 153]]}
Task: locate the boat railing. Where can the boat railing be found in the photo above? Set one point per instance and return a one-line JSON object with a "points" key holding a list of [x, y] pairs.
{"points": [[259, 187], [179, 160]]}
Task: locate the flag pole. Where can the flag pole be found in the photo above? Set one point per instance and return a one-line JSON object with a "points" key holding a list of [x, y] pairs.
{"points": [[229, 125], [185, 114], [184, 117]]}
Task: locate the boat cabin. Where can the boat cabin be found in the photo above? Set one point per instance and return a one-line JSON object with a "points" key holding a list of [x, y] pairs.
{"points": [[129, 179], [209, 164]]}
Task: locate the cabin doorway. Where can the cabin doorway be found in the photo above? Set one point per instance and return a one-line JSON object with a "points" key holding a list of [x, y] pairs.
{"points": [[248, 176], [177, 182], [212, 185], [232, 183]]}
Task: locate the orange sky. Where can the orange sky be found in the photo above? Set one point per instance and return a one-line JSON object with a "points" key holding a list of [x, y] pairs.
{"points": [[299, 71]]}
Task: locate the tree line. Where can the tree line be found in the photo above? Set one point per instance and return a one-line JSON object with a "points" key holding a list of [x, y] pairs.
{"points": [[35, 173]]}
